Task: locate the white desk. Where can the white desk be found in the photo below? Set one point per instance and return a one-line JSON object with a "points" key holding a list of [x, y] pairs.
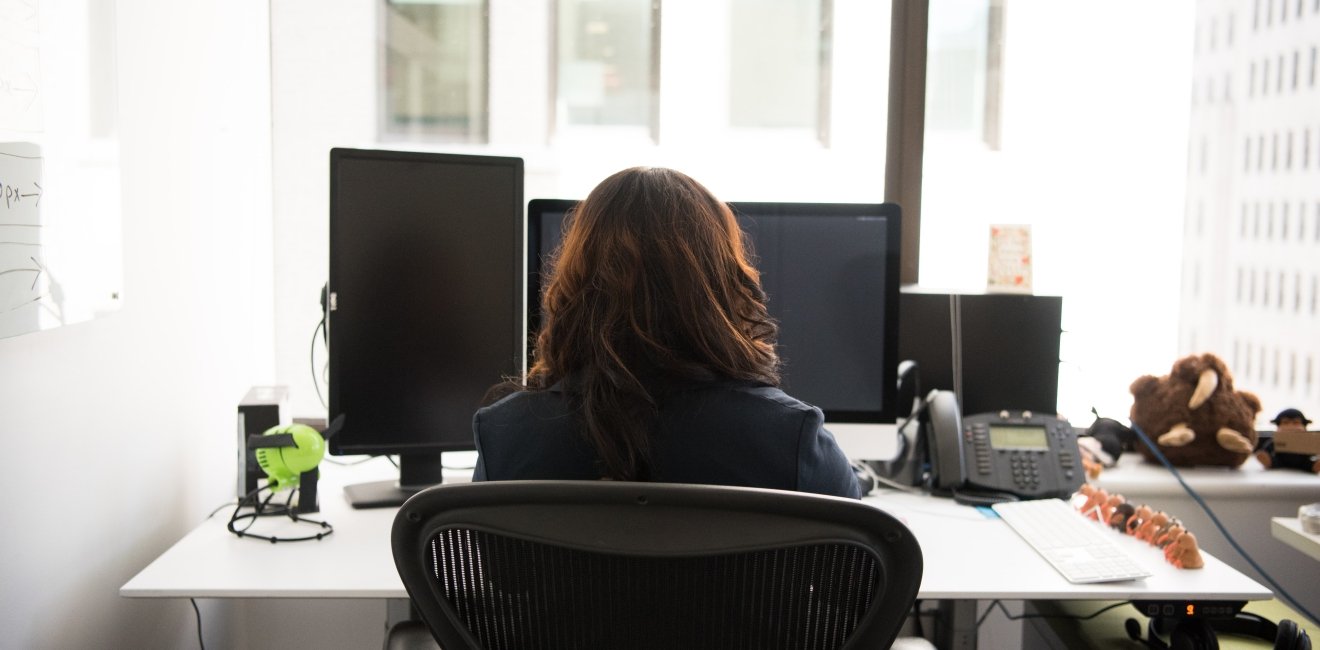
{"points": [[353, 562], [1289, 531], [968, 557], [972, 556]]}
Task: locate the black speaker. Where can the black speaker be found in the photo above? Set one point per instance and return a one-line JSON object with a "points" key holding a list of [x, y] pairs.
{"points": [[996, 351], [262, 408]]}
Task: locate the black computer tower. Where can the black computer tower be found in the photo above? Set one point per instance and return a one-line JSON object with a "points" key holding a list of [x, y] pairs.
{"points": [[262, 408], [1007, 345]]}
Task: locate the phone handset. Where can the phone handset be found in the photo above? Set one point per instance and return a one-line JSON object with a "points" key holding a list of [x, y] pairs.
{"points": [[957, 446], [945, 441]]}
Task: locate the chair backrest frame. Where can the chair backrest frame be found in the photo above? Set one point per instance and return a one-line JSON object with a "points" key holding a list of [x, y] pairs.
{"points": [[654, 520]]}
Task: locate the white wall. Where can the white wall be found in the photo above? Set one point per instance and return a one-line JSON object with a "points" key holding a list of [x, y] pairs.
{"points": [[118, 434]]}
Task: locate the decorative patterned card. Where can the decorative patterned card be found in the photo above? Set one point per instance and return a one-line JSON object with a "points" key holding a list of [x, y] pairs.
{"points": [[1010, 259]]}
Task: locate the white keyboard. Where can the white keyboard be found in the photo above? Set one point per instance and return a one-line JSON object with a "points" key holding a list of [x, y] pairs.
{"points": [[1077, 547]]}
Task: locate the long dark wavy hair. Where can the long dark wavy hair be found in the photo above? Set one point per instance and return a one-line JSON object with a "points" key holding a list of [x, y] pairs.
{"points": [[651, 286]]}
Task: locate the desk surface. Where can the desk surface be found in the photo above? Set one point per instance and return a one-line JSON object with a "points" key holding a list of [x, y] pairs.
{"points": [[1289, 531], [967, 556]]}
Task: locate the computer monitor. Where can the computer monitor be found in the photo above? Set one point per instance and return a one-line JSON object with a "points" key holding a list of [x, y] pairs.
{"points": [[424, 304], [830, 271]]}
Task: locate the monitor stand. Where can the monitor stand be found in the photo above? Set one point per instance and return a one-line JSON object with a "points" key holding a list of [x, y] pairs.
{"points": [[416, 473]]}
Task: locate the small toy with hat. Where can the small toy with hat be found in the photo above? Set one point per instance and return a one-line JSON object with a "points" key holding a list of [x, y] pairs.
{"points": [[1292, 446]]}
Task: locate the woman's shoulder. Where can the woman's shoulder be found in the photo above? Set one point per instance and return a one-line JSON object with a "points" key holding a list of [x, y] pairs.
{"points": [[523, 403], [751, 394]]}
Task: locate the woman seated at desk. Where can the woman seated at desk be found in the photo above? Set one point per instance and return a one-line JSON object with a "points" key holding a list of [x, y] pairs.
{"points": [[656, 357]]}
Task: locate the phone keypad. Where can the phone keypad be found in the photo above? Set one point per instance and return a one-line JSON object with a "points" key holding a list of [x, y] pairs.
{"points": [[1025, 466]]}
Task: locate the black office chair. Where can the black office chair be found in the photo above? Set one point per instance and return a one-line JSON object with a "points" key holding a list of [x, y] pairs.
{"points": [[601, 564]]}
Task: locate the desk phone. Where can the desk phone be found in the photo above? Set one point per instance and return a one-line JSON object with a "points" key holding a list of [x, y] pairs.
{"points": [[1019, 453]]}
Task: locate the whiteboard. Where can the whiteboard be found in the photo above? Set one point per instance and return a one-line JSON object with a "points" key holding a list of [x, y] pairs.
{"points": [[61, 252]]}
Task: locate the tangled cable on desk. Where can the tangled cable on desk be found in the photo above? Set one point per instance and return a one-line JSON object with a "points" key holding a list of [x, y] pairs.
{"points": [[261, 508]]}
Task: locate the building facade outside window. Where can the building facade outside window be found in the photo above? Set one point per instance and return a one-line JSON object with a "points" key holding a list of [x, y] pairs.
{"points": [[779, 65], [606, 64], [434, 71]]}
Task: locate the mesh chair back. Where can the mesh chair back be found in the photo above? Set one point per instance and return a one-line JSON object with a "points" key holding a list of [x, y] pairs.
{"points": [[531, 564]]}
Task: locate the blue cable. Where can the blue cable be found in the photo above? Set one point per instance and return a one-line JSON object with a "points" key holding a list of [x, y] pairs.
{"points": [[1278, 589]]}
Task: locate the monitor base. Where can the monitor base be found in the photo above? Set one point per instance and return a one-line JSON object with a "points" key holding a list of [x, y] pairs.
{"points": [[377, 494]]}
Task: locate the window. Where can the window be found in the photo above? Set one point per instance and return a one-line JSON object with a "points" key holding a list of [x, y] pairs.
{"points": [[962, 70], [1060, 127], [779, 65], [607, 65], [434, 71]]}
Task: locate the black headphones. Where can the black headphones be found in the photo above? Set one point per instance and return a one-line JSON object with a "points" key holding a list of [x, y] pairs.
{"points": [[1199, 633]]}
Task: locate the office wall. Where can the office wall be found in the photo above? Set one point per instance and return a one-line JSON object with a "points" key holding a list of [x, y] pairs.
{"points": [[117, 435]]}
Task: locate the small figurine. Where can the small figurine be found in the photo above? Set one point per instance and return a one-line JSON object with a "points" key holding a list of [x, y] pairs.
{"points": [[1121, 516], [1151, 526], [1091, 464], [1183, 552], [1293, 447], [1170, 534], [1139, 517], [1095, 503], [1082, 496], [1107, 508]]}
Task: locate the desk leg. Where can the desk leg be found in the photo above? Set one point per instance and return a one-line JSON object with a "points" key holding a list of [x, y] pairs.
{"points": [[398, 610], [957, 625]]}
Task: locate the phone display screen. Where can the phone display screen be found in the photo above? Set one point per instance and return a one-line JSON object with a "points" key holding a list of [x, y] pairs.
{"points": [[1018, 438]]}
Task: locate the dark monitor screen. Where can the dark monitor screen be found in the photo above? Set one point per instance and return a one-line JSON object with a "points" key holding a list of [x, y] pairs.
{"points": [[425, 305], [830, 271]]}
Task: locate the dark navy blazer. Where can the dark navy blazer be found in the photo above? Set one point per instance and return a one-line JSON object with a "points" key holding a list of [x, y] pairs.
{"points": [[721, 432]]}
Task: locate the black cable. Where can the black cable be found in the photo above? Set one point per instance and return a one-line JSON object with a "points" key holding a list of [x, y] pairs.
{"points": [[222, 507], [341, 463], [201, 643], [915, 415], [316, 381], [260, 509], [1017, 617], [1278, 589]]}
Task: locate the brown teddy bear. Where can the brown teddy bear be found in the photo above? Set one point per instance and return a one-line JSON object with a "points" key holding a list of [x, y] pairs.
{"points": [[1194, 415]]}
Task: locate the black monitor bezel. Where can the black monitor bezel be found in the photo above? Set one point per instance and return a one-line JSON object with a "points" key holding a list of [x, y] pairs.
{"points": [[889, 411], [336, 445]]}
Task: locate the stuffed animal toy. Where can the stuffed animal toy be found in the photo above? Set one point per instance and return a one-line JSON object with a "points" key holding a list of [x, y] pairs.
{"points": [[1103, 443], [1194, 414]]}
